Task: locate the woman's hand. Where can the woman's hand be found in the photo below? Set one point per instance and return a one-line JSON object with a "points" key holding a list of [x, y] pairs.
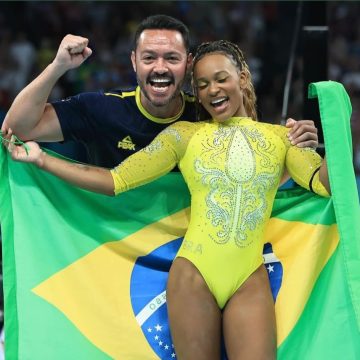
{"points": [[29, 152]]}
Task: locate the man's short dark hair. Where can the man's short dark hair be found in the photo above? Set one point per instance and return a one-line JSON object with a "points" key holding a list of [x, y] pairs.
{"points": [[163, 22]]}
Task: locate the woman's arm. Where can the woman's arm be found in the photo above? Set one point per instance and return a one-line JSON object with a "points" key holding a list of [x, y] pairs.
{"points": [[146, 165], [84, 176], [308, 169], [324, 176], [303, 133]]}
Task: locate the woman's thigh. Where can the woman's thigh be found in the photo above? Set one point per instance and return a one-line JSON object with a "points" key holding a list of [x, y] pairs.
{"points": [[194, 316], [249, 320]]}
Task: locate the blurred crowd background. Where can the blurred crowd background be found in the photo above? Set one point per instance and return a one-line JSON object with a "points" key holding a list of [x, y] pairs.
{"points": [[31, 31]]}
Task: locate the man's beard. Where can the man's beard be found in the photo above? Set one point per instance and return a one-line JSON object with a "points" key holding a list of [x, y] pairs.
{"points": [[163, 102]]}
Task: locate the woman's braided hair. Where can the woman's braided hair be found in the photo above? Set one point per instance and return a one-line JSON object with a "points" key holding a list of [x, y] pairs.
{"points": [[236, 56]]}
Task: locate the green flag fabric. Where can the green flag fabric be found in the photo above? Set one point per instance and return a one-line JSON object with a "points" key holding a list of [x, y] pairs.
{"points": [[335, 111], [85, 275], [336, 294]]}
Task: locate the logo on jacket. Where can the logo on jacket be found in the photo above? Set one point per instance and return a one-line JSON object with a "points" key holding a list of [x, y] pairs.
{"points": [[126, 143]]}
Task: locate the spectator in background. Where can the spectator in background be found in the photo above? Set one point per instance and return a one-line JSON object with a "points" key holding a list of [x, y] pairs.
{"points": [[23, 53], [344, 60]]}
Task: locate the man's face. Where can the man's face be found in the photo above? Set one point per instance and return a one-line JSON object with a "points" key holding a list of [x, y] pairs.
{"points": [[160, 62]]}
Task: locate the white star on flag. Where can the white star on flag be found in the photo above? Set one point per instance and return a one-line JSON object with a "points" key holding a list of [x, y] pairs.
{"points": [[158, 327], [270, 268]]}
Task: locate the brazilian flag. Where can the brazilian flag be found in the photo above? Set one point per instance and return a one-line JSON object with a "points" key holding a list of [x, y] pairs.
{"points": [[85, 274]]}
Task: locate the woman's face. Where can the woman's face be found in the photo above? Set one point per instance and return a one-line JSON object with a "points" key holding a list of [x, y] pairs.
{"points": [[218, 85]]}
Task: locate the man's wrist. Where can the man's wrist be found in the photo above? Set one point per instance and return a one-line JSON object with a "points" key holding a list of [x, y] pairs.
{"points": [[56, 70]]}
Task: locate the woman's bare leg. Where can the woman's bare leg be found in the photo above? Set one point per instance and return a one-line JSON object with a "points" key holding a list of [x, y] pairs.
{"points": [[194, 316], [249, 320]]}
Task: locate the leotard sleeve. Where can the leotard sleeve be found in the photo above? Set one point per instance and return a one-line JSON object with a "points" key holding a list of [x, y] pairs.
{"points": [[155, 160], [303, 165]]}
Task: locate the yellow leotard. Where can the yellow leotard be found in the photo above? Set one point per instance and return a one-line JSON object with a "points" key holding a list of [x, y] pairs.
{"points": [[233, 170]]}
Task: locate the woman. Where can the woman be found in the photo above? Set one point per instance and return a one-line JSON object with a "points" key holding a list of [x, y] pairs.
{"points": [[232, 165]]}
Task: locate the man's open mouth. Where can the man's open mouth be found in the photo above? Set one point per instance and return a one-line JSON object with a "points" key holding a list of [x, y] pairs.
{"points": [[160, 82]]}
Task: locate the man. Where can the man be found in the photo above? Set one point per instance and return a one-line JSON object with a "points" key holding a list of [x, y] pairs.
{"points": [[114, 125]]}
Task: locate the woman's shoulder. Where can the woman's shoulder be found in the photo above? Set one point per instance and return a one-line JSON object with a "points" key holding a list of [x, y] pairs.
{"points": [[182, 129], [187, 125], [276, 129]]}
